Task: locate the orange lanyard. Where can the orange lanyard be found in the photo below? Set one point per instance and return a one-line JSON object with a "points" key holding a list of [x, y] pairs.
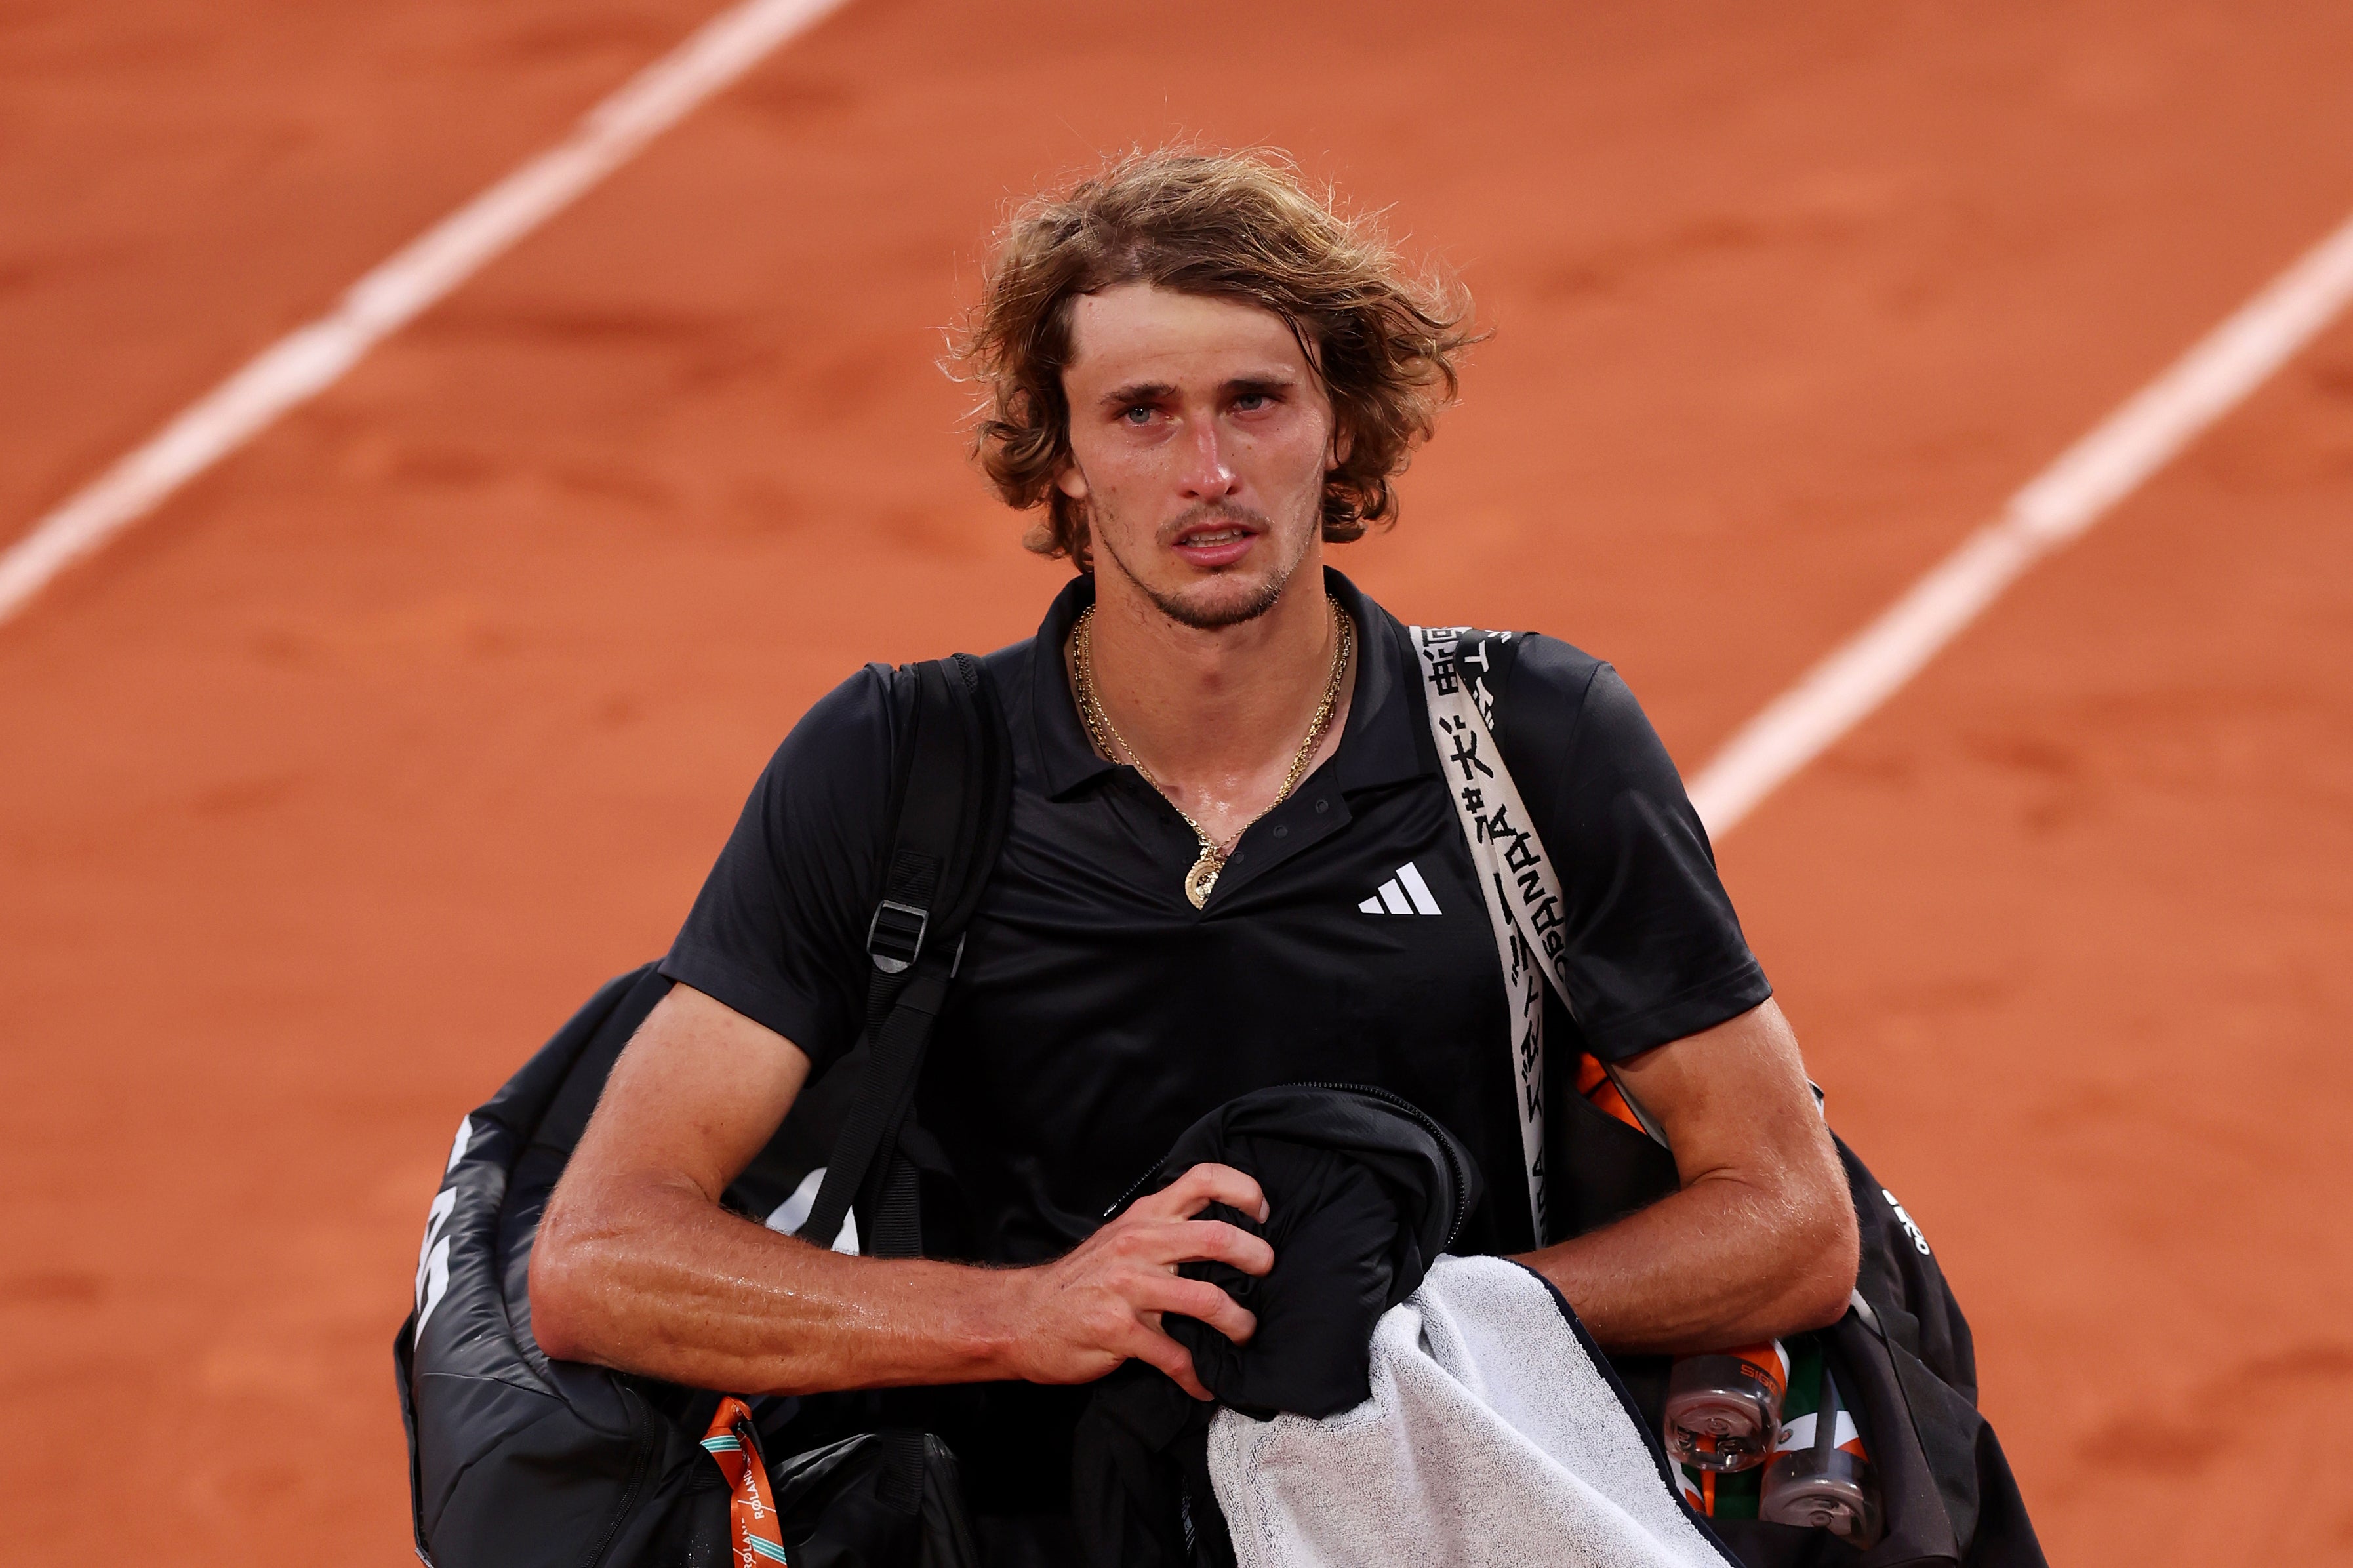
{"points": [[751, 1513]]}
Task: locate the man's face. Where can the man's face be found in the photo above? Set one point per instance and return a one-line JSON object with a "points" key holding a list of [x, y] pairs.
{"points": [[1199, 439]]}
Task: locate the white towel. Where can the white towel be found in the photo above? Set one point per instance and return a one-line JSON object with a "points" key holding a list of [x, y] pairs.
{"points": [[1491, 1437]]}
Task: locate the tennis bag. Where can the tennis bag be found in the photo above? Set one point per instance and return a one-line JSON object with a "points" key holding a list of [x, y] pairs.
{"points": [[517, 1460], [1904, 1346]]}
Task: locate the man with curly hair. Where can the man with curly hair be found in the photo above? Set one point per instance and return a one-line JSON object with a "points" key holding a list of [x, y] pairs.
{"points": [[1234, 862]]}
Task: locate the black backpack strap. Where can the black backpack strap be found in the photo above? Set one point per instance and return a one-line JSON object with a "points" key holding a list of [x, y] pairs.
{"points": [[954, 793]]}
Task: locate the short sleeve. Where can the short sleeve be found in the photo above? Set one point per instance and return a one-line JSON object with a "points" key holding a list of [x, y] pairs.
{"points": [[1655, 951], [778, 931]]}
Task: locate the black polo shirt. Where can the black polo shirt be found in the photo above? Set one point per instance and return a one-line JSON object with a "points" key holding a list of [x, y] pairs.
{"points": [[1097, 1014]]}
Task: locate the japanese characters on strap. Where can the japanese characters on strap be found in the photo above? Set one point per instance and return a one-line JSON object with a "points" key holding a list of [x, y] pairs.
{"points": [[1523, 891], [753, 1534]]}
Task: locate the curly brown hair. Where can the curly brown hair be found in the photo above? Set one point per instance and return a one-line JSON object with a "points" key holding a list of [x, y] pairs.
{"points": [[1241, 226]]}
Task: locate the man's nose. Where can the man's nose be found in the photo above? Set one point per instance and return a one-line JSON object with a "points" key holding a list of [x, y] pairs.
{"points": [[1208, 475]]}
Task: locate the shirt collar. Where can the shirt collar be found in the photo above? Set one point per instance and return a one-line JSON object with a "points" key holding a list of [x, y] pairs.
{"points": [[1380, 745]]}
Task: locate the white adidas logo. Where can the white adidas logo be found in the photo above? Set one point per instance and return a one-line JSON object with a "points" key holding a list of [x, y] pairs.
{"points": [[1403, 894]]}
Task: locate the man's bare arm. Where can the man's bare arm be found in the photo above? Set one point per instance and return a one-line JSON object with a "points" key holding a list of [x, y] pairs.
{"points": [[637, 1265], [1760, 1241]]}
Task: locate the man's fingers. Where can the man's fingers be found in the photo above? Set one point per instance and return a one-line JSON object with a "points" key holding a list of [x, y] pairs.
{"points": [[1215, 1241], [1164, 1244], [1199, 1187], [1200, 1298], [1158, 1350]]}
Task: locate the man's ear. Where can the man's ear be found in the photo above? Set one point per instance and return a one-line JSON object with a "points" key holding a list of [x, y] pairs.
{"points": [[1072, 481], [1344, 441]]}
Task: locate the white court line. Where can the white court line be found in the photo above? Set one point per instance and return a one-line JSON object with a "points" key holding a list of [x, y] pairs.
{"points": [[2057, 506], [312, 358]]}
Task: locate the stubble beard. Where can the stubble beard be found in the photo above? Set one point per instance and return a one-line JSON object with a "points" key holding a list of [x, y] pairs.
{"points": [[1217, 613]]}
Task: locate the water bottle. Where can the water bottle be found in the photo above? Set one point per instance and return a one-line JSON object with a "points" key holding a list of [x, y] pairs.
{"points": [[1724, 1409], [1820, 1475]]}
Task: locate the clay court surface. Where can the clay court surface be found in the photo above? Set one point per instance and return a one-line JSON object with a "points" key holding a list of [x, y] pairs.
{"points": [[332, 787]]}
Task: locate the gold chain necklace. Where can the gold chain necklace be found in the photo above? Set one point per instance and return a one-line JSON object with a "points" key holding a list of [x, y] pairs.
{"points": [[1110, 743]]}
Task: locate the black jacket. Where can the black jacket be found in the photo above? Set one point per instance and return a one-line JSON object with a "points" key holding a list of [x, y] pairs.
{"points": [[1364, 1191]]}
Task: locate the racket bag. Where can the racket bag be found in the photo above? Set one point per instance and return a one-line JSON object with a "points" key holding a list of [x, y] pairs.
{"points": [[1904, 1346]]}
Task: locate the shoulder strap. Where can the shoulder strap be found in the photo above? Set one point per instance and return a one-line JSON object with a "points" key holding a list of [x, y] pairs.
{"points": [[953, 791], [1462, 671], [1505, 852]]}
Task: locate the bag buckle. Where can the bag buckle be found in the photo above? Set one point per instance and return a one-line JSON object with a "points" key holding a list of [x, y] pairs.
{"points": [[895, 938]]}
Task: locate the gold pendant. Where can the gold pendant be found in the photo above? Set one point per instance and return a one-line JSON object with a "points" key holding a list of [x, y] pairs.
{"points": [[1204, 875]]}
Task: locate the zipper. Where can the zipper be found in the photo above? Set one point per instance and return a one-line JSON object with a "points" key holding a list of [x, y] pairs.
{"points": [[1413, 1112], [1133, 1187]]}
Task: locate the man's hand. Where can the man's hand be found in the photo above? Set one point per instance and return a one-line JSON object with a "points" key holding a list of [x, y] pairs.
{"points": [[1084, 1313]]}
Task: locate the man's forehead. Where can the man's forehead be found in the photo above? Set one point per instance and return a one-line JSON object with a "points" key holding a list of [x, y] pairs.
{"points": [[1123, 330]]}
